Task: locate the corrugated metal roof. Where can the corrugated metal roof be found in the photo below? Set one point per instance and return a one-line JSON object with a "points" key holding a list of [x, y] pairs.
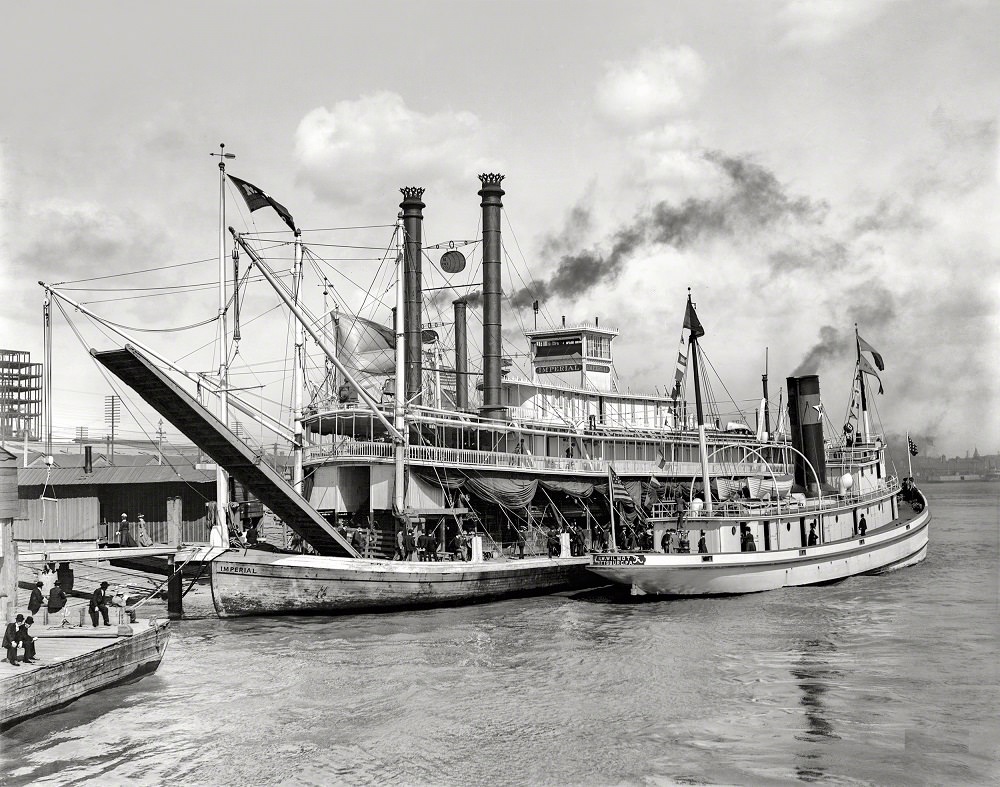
{"points": [[152, 474]]}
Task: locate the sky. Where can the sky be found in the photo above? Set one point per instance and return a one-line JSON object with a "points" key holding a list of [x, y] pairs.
{"points": [[802, 165]]}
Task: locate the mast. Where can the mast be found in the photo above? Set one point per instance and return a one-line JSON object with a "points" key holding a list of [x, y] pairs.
{"points": [[399, 392], [766, 415], [46, 375], [300, 340], [696, 331], [220, 528], [865, 431]]}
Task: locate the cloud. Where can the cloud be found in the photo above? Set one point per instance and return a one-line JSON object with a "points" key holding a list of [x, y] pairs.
{"points": [[820, 22], [367, 148], [656, 85]]}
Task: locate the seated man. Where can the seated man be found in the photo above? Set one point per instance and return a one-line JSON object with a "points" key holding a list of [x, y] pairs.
{"points": [[99, 603]]}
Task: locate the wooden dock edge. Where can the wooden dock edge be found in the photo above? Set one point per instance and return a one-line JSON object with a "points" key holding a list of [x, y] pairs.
{"points": [[52, 686]]}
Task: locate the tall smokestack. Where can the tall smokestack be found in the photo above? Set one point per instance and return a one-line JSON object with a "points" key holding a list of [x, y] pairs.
{"points": [[88, 459], [461, 356], [805, 418], [413, 219], [491, 204]]}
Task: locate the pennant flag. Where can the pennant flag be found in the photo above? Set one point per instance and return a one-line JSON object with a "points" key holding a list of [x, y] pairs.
{"points": [[865, 347], [257, 199], [867, 368], [913, 446], [679, 371], [692, 322], [617, 491]]}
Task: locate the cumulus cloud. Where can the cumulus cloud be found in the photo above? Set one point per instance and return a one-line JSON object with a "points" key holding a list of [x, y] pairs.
{"points": [[367, 148], [654, 86]]}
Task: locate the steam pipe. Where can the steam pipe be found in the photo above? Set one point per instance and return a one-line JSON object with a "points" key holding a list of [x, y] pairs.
{"points": [[492, 203], [413, 217], [461, 356], [805, 420]]}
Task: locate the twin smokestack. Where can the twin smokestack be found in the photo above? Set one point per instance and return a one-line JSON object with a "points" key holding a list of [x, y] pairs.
{"points": [[412, 208]]}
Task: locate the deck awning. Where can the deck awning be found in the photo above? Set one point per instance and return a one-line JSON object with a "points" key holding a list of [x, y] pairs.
{"points": [[215, 439]]}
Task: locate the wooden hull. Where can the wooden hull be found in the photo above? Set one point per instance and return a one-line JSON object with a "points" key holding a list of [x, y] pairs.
{"points": [[263, 583], [39, 688], [751, 572]]}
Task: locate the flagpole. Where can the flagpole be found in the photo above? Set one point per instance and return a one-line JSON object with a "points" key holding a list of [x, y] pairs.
{"points": [[399, 393], [220, 528], [702, 442], [300, 339], [611, 500], [909, 457], [865, 432]]}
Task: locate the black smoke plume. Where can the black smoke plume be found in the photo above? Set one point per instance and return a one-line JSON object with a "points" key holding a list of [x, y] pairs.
{"points": [[752, 200]]}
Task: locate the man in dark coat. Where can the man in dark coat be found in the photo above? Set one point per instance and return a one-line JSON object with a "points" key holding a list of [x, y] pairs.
{"points": [[28, 641], [702, 546], [409, 545], [862, 525], [99, 602], [36, 600], [12, 638], [813, 538], [57, 599]]}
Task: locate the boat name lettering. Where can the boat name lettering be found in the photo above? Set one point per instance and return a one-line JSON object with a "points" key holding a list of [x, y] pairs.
{"points": [[619, 560], [596, 367], [238, 569], [563, 367]]}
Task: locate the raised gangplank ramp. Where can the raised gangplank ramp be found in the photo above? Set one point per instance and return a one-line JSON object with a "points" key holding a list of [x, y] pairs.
{"points": [[215, 439]]}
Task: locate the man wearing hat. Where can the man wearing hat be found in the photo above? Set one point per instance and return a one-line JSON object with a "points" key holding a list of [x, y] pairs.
{"points": [[702, 546], [12, 638], [98, 601]]}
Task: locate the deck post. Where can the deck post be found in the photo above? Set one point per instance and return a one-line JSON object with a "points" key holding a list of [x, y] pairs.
{"points": [[175, 603], [174, 512]]}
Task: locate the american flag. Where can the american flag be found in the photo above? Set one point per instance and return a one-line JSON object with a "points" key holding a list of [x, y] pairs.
{"points": [[617, 490], [913, 446]]}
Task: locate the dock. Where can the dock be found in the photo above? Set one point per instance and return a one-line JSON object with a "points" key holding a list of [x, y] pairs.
{"points": [[75, 661]]}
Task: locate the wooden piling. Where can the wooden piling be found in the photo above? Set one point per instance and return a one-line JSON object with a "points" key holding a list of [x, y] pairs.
{"points": [[175, 591]]}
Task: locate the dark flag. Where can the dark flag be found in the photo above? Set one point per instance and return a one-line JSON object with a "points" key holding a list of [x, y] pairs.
{"points": [[691, 321], [867, 368], [865, 347], [257, 199], [913, 447]]}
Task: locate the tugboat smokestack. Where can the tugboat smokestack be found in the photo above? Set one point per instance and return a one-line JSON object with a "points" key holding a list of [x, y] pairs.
{"points": [[492, 203], [805, 417], [461, 356], [413, 219]]}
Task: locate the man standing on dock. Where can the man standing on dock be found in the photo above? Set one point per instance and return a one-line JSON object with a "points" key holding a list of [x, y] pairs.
{"points": [[36, 600], [98, 601]]}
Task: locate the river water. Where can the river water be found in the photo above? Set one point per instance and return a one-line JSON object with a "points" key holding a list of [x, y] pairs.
{"points": [[888, 680]]}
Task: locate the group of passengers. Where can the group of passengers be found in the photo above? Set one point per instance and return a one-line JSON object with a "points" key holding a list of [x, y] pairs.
{"points": [[577, 539]]}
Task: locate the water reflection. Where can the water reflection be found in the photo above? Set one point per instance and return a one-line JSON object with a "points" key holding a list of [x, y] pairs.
{"points": [[814, 673]]}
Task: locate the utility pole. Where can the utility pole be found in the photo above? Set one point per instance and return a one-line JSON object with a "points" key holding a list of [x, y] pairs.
{"points": [[159, 443]]}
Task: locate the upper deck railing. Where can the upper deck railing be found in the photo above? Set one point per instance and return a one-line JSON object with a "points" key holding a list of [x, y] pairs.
{"points": [[743, 510], [466, 457]]}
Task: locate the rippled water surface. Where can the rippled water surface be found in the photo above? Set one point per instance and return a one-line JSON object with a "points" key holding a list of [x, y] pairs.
{"points": [[888, 680]]}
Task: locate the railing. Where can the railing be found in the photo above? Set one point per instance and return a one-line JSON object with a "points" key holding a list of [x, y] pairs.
{"points": [[744, 510], [468, 457]]}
